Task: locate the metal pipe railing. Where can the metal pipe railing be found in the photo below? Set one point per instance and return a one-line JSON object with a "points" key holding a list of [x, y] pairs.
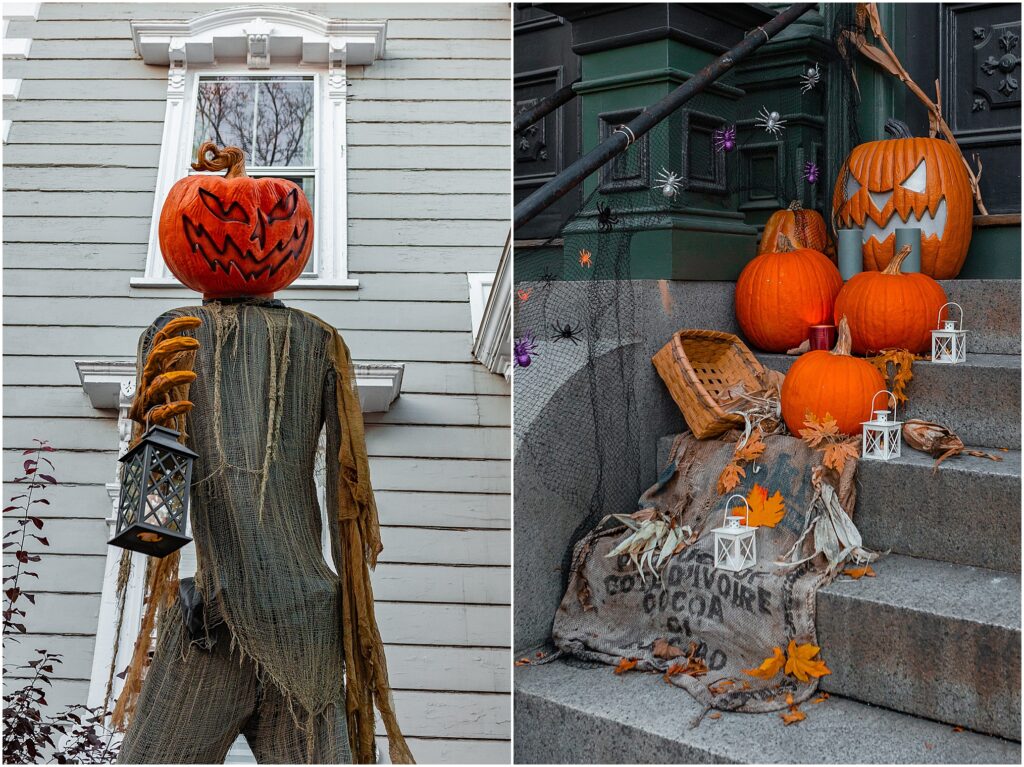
{"points": [[620, 140], [544, 107]]}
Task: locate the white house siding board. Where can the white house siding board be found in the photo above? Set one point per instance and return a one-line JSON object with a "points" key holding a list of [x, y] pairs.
{"points": [[428, 202]]}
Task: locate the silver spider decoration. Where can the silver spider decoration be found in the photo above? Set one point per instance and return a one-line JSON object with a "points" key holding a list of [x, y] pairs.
{"points": [[810, 79], [668, 182], [772, 122]]}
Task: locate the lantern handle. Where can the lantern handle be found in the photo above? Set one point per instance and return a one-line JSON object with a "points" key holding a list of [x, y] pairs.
{"points": [[890, 396], [728, 501], [960, 326]]}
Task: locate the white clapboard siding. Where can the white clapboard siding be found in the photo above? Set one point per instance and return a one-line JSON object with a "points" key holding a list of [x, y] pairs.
{"points": [[428, 201]]}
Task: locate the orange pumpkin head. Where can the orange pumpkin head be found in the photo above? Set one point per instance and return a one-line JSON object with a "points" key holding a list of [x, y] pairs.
{"points": [[233, 235], [803, 228], [907, 182], [780, 295], [831, 383], [889, 309]]}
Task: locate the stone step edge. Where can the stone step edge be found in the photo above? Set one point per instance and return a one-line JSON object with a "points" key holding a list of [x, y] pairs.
{"points": [[846, 713]]}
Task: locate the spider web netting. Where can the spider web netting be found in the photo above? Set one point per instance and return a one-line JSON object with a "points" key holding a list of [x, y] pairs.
{"points": [[590, 409]]}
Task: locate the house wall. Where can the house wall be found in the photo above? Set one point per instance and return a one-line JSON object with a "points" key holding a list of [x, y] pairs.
{"points": [[428, 201]]}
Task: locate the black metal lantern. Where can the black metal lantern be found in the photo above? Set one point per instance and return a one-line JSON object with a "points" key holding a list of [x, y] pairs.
{"points": [[152, 511]]}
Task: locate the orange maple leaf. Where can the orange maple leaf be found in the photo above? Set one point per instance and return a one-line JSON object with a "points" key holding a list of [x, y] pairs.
{"points": [[769, 667], [662, 649], [765, 511], [818, 432], [752, 449], [859, 572], [800, 662], [838, 453], [730, 477], [626, 665]]}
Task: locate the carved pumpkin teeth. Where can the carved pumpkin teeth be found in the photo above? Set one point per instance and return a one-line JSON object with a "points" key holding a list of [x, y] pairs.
{"points": [[231, 256], [930, 225]]}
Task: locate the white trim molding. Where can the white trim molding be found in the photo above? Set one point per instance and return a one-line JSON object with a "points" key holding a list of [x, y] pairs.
{"points": [[12, 88], [251, 40], [7, 129], [17, 47], [492, 343], [105, 382], [21, 11]]}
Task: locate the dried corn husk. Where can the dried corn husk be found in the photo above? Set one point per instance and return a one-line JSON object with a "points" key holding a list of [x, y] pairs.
{"points": [[650, 533], [938, 441]]}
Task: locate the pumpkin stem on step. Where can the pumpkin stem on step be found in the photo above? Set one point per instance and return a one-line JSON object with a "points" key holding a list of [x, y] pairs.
{"points": [[230, 158], [897, 260], [897, 129], [843, 341], [783, 244]]}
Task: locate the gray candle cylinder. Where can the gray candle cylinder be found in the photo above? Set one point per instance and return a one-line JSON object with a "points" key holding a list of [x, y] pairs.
{"points": [[851, 253], [911, 236]]}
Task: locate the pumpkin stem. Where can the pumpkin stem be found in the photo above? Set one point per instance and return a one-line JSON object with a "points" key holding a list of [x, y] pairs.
{"points": [[230, 158], [795, 205], [894, 264], [783, 244], [843, 340], [897, 129]]}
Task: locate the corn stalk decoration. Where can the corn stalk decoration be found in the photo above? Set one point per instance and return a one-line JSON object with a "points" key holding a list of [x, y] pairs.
{"points": [[884, 56]]}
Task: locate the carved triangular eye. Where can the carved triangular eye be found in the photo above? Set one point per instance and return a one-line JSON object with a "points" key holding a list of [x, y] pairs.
{"points": [[285, 207], [918, 180], [852, 187], [234, 211]]}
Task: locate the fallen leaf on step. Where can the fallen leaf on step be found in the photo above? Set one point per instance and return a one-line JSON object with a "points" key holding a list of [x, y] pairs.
{"points": [[795, 715], [716, 715], [836, 455], [662, 649], [821, 698], [626, 665], [730, 477], [958, 729], [859, 572], [769, 666], [820, 432], [523, 662], [800, 662]]}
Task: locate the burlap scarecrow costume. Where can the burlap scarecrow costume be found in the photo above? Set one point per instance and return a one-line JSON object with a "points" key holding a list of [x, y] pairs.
{"points": [[269, 643]]}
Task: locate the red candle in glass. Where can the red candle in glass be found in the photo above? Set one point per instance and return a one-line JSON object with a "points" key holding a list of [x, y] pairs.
{"points": [[822, 337]]}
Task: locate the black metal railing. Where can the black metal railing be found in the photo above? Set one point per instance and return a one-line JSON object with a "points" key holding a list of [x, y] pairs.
{"points": [[626, 134], [544, 107]]}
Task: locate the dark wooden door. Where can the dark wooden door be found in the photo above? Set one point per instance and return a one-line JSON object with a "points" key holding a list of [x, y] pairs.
{"points": [[975, 50]]}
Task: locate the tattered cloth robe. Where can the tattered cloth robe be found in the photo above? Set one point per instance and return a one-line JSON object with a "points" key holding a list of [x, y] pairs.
{"points": [[291, 644], [732, 621]]}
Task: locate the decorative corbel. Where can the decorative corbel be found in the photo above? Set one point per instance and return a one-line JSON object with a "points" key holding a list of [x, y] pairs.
{"points": [[258, 44], [176, 69]]}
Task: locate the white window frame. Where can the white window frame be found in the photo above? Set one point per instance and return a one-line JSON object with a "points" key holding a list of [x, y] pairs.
{"points": [[212, 44]]}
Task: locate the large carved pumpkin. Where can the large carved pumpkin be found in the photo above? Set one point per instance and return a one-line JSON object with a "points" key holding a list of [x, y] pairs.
{"points": [[906, 181], [831, 383], [891, 310], [233, 235], [780, 295], [803, 228]]}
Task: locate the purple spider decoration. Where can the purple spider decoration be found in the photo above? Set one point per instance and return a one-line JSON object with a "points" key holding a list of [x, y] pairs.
{"points": [[724, 138], [811, 172], [524, 349]]}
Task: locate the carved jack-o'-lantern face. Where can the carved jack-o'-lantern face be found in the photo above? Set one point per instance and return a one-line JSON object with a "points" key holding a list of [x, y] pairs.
{"points": [[234, 235], [907, 182]]}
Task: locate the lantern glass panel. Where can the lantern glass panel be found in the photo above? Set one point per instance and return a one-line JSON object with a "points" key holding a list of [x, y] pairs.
{"points": [[131, 488]]}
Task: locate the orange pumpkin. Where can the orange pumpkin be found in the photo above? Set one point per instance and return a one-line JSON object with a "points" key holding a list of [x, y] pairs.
{"points": [[233, 235], [832, 383], [780, 295], [891, 310], [804, 228], [907, 182]]}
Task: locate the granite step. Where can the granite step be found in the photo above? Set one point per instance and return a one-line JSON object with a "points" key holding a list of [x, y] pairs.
{"points": [[567, 713], [966, 513], [978, 399], [930, 639], [991, 313]]}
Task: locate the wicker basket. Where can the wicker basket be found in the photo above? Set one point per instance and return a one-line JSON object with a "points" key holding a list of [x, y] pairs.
{"points": [[696, 366]]}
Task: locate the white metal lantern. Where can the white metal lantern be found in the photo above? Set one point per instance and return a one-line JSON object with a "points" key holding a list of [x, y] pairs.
{"points": [[881, 438], [735, 544], [949, 340]]}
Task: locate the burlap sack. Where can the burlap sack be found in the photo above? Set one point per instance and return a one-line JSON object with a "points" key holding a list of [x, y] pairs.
{"points": [[736, 619]]}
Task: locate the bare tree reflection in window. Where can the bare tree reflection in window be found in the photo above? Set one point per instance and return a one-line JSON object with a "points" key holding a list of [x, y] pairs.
{"points": [[224, 114], [284, 111]]}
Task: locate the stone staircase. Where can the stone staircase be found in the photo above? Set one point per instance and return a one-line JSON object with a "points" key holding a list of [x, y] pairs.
{"points": [[929, 646]]}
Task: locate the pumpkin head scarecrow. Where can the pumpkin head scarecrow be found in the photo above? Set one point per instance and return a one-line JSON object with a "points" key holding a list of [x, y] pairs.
{"points": [[267, 641], [233, 235], [907, 182]]}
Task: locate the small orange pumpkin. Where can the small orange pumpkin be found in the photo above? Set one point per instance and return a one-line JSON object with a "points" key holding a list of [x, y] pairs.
{"points": [[779, 295], [234, 235], [891, 310], [804, 228], [832, 383], [907, 182]]}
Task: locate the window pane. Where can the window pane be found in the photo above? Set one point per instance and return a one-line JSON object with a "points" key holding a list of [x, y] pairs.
{"points": [[224, 114], [284, 123], [307, 184]]}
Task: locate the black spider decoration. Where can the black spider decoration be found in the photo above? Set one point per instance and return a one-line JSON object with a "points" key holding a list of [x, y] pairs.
{"points": [[548, 278], [566, 332], [606, 219]]}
